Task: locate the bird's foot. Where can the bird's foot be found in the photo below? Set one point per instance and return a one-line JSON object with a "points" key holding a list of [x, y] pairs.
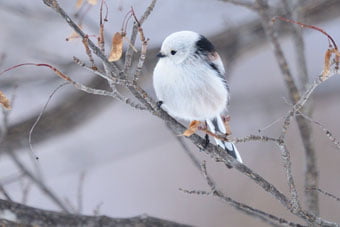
{"points": [[193, 127], [207, 141], [204, 127], [159, 104], [226, 120]]}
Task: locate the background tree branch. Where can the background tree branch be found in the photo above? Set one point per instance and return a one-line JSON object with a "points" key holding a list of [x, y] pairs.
{"points": [[29, 216]]}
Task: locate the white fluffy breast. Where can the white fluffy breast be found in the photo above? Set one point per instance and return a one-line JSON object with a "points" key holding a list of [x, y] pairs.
{"points": [[190, 91]]}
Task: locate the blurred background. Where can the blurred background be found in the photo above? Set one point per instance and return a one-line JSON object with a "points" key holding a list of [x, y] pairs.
{"points": [[126, 161]]}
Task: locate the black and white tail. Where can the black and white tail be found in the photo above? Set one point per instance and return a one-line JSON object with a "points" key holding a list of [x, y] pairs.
{"points": [[217, 125]]}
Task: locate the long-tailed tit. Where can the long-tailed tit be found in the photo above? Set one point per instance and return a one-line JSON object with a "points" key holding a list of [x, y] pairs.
{"points": [[189, 82]]}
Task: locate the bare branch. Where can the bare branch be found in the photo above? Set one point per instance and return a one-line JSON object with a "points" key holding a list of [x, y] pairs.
{"points": [[141, 57], [96, 50], [325, 193], [328, 133], [265, 217], [130, 52], [80, 192], [26, 215], [311, 174], [255, 212], [123, 82], [5, 193], [36, 181], [38, 119], [285, 155], [147, 12], [292, 11], [194, 160], [256, 138], [85, 41]]}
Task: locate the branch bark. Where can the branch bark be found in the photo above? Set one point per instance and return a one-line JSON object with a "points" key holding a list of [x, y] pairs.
{"points": [[22, 215]]}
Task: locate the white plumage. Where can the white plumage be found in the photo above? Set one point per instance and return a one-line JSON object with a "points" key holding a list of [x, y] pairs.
{"points": [[189, 80]]}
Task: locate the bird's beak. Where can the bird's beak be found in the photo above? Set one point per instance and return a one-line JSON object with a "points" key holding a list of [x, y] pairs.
{"points": [[160, 55]]}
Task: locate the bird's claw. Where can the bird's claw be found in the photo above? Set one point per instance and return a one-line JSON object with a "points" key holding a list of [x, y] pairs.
{"points": [[207, 141], [226, 120], [159, 104]]}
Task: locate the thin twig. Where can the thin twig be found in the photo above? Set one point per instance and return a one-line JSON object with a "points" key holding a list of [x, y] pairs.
{"points": [[5, 193], [292, 10], [88, 51], [111, 79], [5, 129], [30, 216], [264, 216], [96, 50], [80, 192], [328, 133], [37, 182], [256, 138], [101, 38], [325, 193], [194, 160], [212, 186], [285, 155], [311, 27], [142, 57], [26, 188], [270, 124], [130, 52], [311, 173], [147, 12], [12, 178], [39, 117]]}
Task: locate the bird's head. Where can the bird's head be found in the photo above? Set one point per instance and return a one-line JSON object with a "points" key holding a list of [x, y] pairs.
{"points": [[178, 46]]}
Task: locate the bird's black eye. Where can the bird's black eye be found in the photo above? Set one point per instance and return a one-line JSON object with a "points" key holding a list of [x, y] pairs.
{"points": [[173, 52]]}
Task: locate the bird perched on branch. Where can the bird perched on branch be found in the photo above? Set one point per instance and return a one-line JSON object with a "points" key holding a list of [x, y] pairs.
{"points": [[190, 84]]}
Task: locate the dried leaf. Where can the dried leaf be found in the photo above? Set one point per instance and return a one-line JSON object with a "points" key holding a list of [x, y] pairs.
{"points": [[4, 101], [79, 3], [193, 127], [117, 47], [92, 2]]}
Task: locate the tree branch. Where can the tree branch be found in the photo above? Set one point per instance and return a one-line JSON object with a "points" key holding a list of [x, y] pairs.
{"points": [[233, 43], [25, 215], [311, 174], [215, 151]]}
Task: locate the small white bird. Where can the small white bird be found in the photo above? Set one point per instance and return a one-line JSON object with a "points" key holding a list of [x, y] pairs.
{"points": [[190, 84]]}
